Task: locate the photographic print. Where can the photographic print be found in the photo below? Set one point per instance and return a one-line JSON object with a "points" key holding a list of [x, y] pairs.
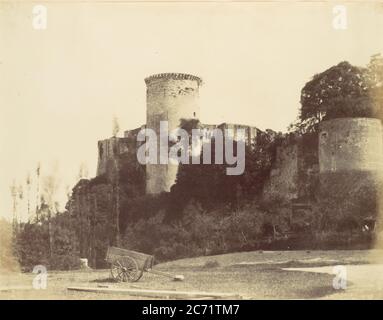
{"points": [[180, 150]]}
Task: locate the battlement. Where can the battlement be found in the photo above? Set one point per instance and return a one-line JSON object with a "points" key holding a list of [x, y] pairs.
{"points": [[174, 76]]}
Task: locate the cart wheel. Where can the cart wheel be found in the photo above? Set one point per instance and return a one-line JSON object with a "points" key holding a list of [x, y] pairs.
{"points": [[116, 271], [125, 269], [133, 273]]}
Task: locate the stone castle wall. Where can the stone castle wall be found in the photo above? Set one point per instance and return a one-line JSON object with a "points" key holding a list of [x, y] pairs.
{"points": [[343, 144], [283, 181], [110, 149], [107, 150], [350, 144]]}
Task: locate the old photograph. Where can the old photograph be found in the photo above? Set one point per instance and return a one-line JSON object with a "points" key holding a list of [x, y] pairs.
{"points": [[180, 150]]}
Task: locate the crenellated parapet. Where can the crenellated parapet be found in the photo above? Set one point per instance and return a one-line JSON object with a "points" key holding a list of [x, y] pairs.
{"points": [[173, 76]]}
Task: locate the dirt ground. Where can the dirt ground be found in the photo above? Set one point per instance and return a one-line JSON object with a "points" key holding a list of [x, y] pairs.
{"points": [[252, 275]]}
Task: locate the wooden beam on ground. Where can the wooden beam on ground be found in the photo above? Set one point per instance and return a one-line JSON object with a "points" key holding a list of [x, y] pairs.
{"points": [[171, 294], [14, 288]]}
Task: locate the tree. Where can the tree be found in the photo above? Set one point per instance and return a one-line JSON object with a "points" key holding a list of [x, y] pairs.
{"points": [[210, 186], [20, 192], [50, 185], [375, 78], [8, 260], [340, 91], [83, 172], [116, 127], [28, 182], [14, 195], [38, 171]]}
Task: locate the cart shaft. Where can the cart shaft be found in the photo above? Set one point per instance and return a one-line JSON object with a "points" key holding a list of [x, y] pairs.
{"points": [[165, 274]]}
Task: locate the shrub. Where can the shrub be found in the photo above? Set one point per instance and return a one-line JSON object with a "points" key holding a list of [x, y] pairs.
{"points": [[59, 251], [33, 245], [8, 262], [201, 233], [64, 262]]}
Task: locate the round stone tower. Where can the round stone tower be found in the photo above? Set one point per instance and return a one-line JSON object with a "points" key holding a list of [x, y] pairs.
{"points": [[348, 144], [169, 97]]}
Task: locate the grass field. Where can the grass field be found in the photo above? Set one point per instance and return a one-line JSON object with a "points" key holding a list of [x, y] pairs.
{"points": [[252, 275]]}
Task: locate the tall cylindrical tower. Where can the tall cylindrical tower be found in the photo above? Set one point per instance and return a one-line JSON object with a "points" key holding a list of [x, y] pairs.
{"points": [[347, 144], [169, 97]]}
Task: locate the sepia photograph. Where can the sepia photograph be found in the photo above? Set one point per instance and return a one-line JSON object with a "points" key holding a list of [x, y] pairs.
{"points": [[191, 150]]}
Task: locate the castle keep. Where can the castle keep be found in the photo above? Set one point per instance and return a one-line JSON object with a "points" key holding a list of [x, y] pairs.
{"points": [[169, 97]]}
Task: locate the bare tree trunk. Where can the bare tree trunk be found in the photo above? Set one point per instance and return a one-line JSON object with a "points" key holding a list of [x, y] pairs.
{"points": [[81, 233], [37, 191], [14, 211], [50, 233], [28, 182], [117, 192], [93, 232], [28, 206]]}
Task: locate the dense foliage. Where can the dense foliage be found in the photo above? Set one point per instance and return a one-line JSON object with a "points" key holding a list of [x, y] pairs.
{"points": [[343, 90], [205, 233], [33, 244]]}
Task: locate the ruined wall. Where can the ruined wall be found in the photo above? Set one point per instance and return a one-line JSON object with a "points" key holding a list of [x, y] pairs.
{"points": [[250, 132], [132, 134], [170, 97], [283, 180], [295, 173], [110, 149], [350, 144], [308, 166]]}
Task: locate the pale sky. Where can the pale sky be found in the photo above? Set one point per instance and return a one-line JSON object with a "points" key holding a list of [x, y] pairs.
{"points": [[61, 87]]}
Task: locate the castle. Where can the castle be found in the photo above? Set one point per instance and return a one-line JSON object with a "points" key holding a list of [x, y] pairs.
{"points": [[342, 145], [169, 97], [343, 158]]}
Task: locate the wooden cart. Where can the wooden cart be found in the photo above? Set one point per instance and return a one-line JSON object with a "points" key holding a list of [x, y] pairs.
{"points": [[128, 265]]}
